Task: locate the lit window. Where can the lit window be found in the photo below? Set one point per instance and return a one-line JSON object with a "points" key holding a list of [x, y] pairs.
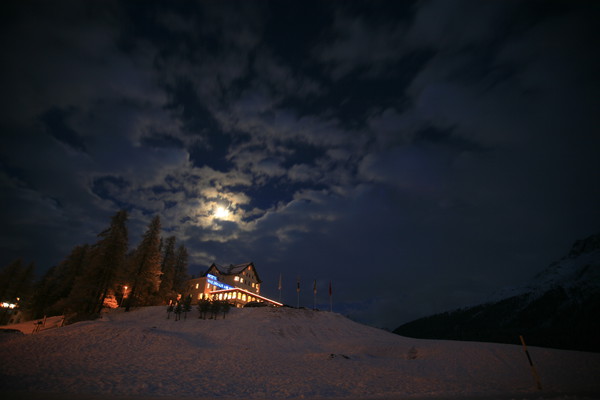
{"points": [[242, 280], [236, 278], [197, 285]]}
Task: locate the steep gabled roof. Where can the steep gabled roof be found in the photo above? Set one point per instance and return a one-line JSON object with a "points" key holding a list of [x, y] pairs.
{"points": [[233, 269]]}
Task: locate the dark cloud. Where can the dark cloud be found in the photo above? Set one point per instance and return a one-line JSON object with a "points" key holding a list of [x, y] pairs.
{"points": [[420, 155], [362, 46], [56, 123], [161, 140]]}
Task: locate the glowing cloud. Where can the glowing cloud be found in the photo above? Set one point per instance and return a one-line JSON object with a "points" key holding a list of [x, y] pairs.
{"points": [[221, 213]]}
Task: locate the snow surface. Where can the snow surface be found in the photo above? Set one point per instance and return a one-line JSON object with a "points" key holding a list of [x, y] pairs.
{"points": [[30, 326], [275, 353], [581, 272]]}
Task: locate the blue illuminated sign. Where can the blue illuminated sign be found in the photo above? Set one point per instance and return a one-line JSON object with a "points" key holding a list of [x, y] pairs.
{"points": [[213, 281]]}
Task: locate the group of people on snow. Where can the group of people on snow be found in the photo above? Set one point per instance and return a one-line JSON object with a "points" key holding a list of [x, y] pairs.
{"points": [[207, 308]]}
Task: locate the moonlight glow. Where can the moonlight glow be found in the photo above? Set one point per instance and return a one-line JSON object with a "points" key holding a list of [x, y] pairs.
{"points": [[221, 212]]}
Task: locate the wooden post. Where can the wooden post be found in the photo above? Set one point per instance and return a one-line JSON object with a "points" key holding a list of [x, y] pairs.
{"points": [[533, 370]]}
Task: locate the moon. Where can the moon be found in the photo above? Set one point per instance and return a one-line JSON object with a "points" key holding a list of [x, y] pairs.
{"points": [[221, 212]]}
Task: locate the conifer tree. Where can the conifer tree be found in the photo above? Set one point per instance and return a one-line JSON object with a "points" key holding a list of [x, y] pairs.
{"points": [[8, 277], [145, 271], [44, 293], [101, 275], [110, 255], [161, 245], [16, 283], [181, 270], [168, 269], [24, 286], [74, 266], [52, 291]]}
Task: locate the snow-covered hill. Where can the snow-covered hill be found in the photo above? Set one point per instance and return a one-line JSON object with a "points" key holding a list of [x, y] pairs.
{"points": [[559, 308], [579, 271], [270, 353]]}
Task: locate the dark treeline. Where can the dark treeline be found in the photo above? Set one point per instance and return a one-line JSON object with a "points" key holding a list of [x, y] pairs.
{"points": [[16, 284], [92, 276]]}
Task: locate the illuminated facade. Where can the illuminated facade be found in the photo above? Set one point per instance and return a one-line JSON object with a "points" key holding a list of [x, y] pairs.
{"points": [[237, 284]]}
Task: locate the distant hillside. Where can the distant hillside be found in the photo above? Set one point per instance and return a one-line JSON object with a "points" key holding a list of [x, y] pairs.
{"points": [[560, 308]]}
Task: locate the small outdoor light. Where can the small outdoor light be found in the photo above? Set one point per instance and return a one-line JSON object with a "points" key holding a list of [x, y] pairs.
{"points": [[124, 293]]}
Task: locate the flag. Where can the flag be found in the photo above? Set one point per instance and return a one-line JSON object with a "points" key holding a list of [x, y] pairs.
{"points": [[279, 287], [329, 288], [315, 287], [298, 286]]}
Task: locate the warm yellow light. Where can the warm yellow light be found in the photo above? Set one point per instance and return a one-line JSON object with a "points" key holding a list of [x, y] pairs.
{"points": [[221, 212]]}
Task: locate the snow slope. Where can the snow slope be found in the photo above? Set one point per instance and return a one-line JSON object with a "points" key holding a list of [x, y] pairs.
{"points": [[30, 326], [578, 272], [268, 353]]}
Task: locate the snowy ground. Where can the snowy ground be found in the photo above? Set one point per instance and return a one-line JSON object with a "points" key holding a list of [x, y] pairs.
{"points": [[38, 324], [267, 353]]}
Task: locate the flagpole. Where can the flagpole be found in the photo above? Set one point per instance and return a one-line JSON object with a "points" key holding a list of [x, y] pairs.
{"points": [[298, 293], [330, 299], [279, 287], [315, 295]]}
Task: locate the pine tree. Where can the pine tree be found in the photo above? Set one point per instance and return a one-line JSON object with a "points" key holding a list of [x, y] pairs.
{"points": [[101, 274], [8, 278], [146, 267], [168, 270], [109, 257], [181, 270], [24, 287], [53, 290], [44, 293], [83, 297], [16, 284], [16, 281]]}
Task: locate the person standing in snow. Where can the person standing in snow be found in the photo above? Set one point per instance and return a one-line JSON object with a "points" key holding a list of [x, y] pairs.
{"points": [[203, 308], [187, 306], [170, 309], [177, 307]]}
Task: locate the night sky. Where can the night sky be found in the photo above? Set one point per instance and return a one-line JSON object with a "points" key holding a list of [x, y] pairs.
{"points": [[420, 155]]}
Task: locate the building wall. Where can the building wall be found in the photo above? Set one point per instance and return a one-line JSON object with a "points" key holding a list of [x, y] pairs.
{"points": [[247, 279]]}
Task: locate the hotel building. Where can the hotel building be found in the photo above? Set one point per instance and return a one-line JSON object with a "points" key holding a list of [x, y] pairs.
{"points": [[236, 284]]}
